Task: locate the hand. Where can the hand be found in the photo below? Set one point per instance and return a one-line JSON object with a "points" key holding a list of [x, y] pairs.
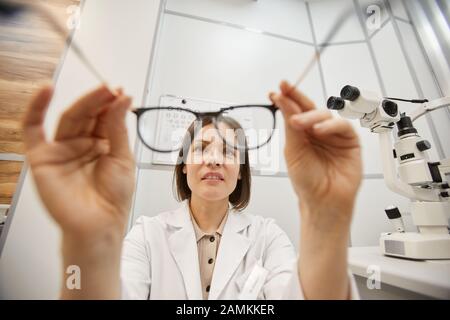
{"points": [[323, 159], [85, 176], [322, 154]]}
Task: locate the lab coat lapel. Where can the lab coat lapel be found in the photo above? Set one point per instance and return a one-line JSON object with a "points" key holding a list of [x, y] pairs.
{"points": [[232, 249], [183, 247]]}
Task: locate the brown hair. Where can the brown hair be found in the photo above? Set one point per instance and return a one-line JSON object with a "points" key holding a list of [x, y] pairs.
{"points": [[240, 196]]}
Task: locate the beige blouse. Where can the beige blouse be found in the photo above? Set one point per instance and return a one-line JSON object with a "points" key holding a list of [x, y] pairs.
{"points": [[207, 247]]}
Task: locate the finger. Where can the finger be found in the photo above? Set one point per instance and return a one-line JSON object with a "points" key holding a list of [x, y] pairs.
{"points": [[75, 151], [115, 127], [80, 118], [306, 120], [101, 127], [34, 118], [303, 101], [287, 106], [335, 126], [119, 91]]}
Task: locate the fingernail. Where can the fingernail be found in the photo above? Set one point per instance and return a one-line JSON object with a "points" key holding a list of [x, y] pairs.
{"points": [[287, 85], [119, 101], [107, 93], [49, 88], [118, 91], [129, 102], [130, 106], [318, 126], [126, 99]]}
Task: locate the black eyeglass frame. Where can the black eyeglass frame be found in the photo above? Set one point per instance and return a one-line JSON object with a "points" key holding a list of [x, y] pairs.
{"points": [[201, 115]]}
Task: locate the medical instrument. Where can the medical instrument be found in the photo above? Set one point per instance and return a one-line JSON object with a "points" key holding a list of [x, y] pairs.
{"points": [[425, 183]]}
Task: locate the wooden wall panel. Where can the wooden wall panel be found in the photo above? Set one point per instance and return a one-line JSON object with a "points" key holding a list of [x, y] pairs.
{"points": [[29, 55]]}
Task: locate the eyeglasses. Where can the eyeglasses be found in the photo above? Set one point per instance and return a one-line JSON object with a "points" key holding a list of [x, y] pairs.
{"points": [[258, 122]]}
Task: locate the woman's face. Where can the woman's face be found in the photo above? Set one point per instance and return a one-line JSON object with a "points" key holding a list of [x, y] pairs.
{"points": [[212, 166]]}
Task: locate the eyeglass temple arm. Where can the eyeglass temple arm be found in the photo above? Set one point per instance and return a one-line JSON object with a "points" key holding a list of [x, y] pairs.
{"points": [[49, 17], [334, 29]]}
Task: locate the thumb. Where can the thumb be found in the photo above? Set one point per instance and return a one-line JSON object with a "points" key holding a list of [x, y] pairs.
{"points": [[284, 102], [289, 108], [116, 127]]}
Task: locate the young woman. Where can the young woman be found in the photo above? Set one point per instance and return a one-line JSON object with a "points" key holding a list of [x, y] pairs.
{"points": [[206, 248]]}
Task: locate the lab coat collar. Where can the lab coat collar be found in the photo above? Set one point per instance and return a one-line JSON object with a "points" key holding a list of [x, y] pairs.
{"points": [[233, 247], [183, 248], [199, 233], [180, 218]]}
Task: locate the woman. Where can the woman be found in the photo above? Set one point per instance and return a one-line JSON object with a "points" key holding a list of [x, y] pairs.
{"points": [[159, 259], [85, 178]]}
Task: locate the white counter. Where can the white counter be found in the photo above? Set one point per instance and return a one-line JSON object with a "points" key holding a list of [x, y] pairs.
{"points": [[425, 278]]}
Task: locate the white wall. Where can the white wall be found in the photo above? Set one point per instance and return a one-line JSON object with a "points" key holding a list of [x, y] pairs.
{"points": [[238, 51], [204, 51]]}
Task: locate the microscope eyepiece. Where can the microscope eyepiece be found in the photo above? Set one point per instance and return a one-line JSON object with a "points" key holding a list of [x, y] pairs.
{"points": [[350, 93], [390, 107], [405, 125], [335, 103]]}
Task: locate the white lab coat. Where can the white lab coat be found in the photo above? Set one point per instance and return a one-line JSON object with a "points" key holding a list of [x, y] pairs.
{"points": [[255, 260]]}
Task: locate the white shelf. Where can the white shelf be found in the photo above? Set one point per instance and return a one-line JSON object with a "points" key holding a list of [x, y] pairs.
{"points": [[429, 278]]}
